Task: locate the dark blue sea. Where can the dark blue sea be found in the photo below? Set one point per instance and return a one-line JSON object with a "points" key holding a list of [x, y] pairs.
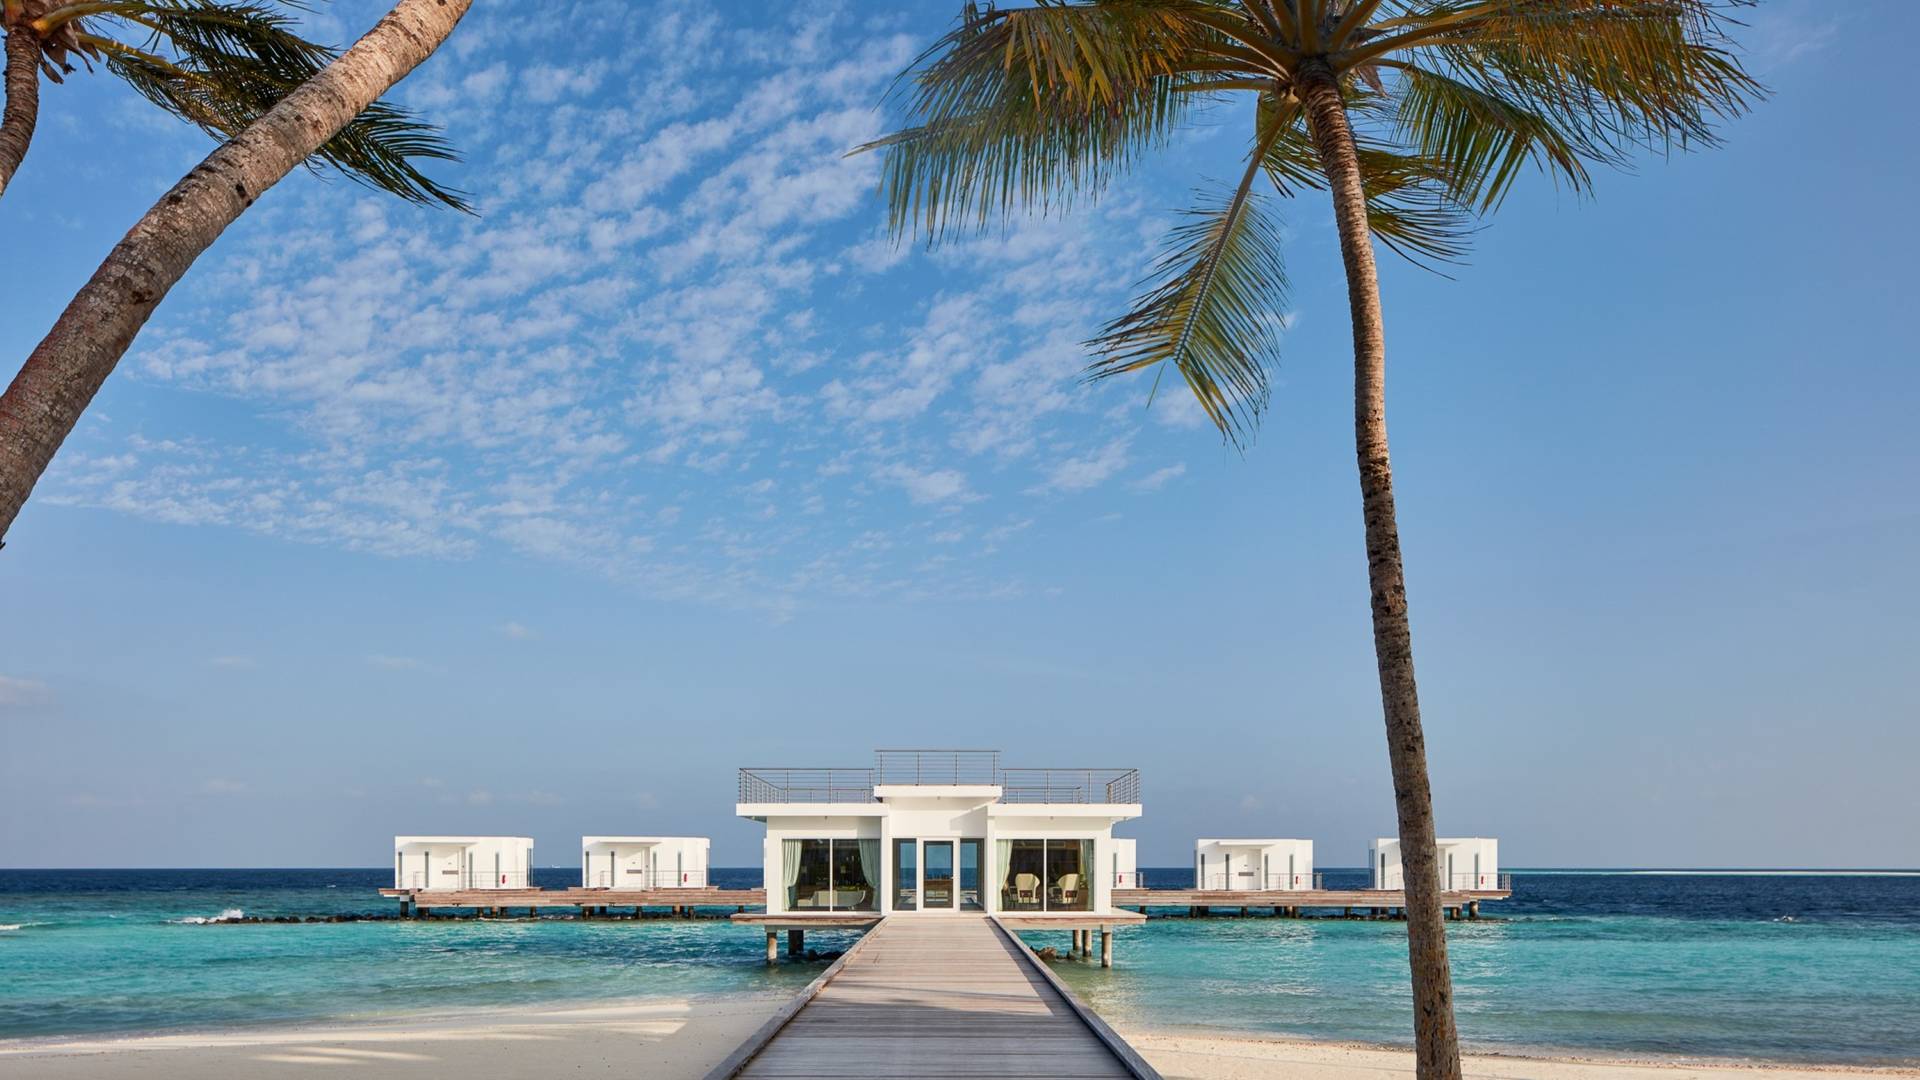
{"points": [[1764, 966]]}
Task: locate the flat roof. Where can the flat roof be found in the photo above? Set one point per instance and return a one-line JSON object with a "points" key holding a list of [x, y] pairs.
{"points": [[639, 839], [1258, 843], [455, 839]]}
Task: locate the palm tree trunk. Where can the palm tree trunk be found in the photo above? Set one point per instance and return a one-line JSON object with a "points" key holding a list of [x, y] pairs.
{"points": [[69, 366], [1436, 1043], [23, 101]]}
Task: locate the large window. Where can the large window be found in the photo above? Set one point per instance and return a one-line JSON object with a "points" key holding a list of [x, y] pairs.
{"points": [[830, 875], [1046, 875]]}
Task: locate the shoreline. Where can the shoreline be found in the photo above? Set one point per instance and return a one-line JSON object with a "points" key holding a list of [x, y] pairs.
{"points": [[686, 1035], [1551, 1055]]}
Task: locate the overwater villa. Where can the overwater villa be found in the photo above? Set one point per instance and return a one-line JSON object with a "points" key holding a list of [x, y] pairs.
{"points": [[643, 862], [447, 863], [930, 832], [1253, 865], [1470, 863]]}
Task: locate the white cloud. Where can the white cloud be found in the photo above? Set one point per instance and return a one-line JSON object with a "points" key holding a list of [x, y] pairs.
{"points": [[927, 485], [1159, 478], [23, 692], [1083, 472], [677, 351], [516, 631]]}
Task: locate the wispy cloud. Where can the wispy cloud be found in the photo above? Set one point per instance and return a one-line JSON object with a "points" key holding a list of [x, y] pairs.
{"points": [[516, 631], [677, 351], [1160, 478], [1082, 472], [927, 485], [23, 692]]}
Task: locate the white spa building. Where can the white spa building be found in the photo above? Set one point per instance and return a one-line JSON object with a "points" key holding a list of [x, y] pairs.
{"points": [[1466, 863], [643, 862], [929, 832], [1253, 865], [462, 862]]}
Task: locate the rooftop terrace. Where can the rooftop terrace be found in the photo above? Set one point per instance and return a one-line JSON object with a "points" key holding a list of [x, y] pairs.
{"points": [[945, 768]]}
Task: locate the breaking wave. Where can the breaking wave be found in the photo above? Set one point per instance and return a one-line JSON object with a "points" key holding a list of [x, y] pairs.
{"points": [[232, 914]]}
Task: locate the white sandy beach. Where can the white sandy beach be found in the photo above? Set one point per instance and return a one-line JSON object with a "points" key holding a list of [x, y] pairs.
{"points": [[670, 1040]]}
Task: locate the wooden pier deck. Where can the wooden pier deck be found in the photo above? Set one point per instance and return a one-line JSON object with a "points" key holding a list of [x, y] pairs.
{"points": [[583, 899], [1456, 901], [936, 996]]}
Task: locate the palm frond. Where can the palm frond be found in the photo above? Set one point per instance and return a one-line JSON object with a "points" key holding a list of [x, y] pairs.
{"points": [[1412, 205], [1027, 109], [1211, 309], [1477, 140], [220, 64], [1610, 76]]}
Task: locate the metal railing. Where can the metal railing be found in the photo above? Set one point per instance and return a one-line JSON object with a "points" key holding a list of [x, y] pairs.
{"points": [[936, 766], [647, 879], [1254, 881], [1481, 882], [940, 767], [1129, 879], [451, 878], [806, 785], [1468, 882], [1070, 785]]}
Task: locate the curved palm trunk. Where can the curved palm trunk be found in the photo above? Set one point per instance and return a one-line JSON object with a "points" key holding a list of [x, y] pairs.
{"points": [[23, 101], [68, 367], [1437, 1044]]}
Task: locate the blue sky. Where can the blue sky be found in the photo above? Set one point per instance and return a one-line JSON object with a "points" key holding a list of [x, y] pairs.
{"points": [[396, 521]]}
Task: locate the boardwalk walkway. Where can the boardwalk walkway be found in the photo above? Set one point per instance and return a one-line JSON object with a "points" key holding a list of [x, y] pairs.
{"points": [[936, 996]]}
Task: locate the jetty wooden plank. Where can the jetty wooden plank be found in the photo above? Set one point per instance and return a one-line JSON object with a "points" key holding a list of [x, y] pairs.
{"points": [[936, 996]]}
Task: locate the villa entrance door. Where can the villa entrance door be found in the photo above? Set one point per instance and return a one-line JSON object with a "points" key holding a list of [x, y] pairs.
{"points": [[938, 883]]}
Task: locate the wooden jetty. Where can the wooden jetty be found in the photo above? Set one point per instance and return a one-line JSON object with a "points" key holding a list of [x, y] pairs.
{"points": [[588, 902], [948, 996], [1082, 925], [1458, 903], [591, 902]]}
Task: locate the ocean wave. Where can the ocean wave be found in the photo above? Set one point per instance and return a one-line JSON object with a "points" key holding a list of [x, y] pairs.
{"points": [[232, 914], [16, 926]]}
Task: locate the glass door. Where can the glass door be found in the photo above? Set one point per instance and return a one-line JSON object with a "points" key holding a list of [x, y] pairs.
{"points": [[937, 890]]}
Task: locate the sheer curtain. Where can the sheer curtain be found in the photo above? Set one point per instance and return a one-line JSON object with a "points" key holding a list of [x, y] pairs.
{"points": [[870, 865], [1003, 866], [789, 868]]}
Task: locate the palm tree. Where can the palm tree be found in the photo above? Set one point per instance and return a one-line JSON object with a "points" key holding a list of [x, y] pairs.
{"points": [[217, 64], [69, 365], [1416, 115]]}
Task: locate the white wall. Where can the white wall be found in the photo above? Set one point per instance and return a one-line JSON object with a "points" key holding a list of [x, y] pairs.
{"points": [[1466, 862], [1264, 864], [644, 862], [446, 863]]}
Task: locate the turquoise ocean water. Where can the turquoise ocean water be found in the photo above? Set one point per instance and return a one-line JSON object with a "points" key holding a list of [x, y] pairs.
{"points": [[1809, 968]]}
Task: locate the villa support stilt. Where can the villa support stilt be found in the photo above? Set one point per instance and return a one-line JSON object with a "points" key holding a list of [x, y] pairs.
{"points": [[796, 943], [1106, 946], [773, 946]]}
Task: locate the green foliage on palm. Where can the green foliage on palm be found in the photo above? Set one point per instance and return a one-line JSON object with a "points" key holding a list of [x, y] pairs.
{"points": [[1451, 101], [220, 64]]}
